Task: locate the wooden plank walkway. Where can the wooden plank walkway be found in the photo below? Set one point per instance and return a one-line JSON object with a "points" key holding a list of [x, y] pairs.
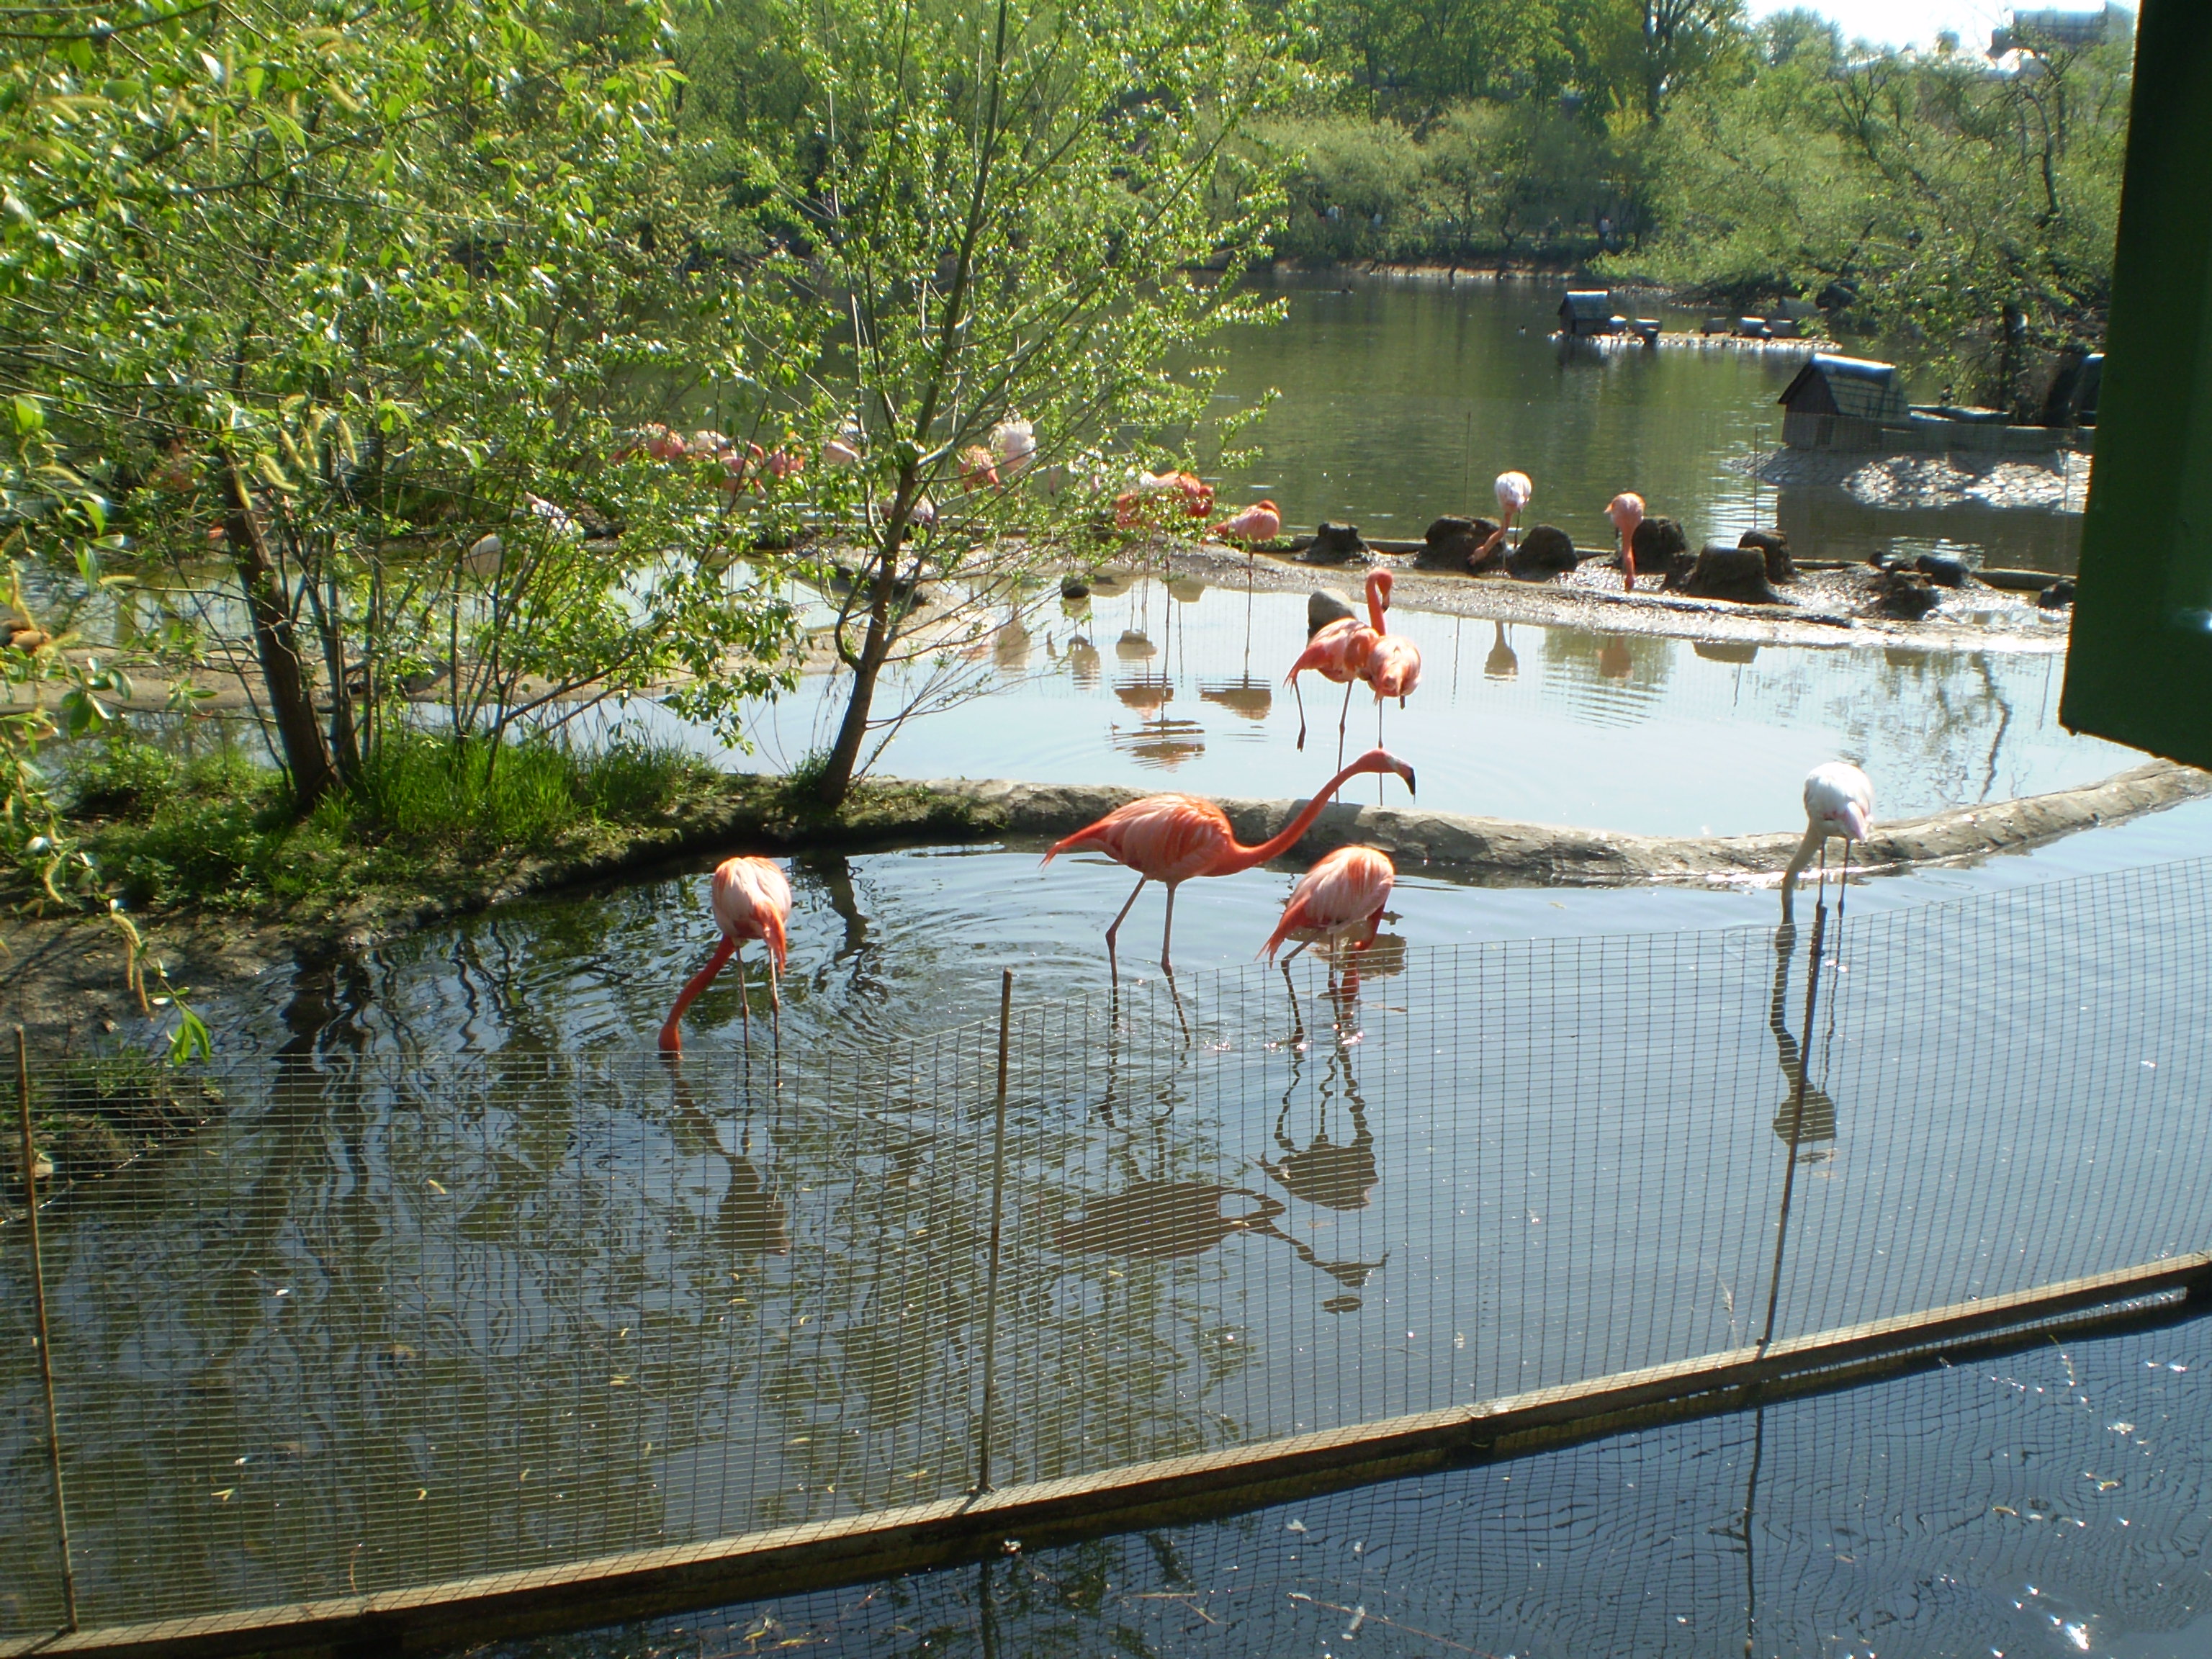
{"points": [[1178, 1491]]}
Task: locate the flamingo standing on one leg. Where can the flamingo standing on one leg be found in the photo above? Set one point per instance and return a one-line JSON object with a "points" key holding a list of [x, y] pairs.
{"points": [[751, 901], [1627, 512], [1338, 652], [1514, 491], [1262, 522], [1339, 899], [1838, 801], [1173, 838]]}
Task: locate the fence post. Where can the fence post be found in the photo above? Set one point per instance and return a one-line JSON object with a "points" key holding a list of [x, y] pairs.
{"points": [[1796, 1117], [998, 1213], [38, 1302]]}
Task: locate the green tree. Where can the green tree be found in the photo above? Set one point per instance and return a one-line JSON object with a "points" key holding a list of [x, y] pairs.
{"points": [[1006, 213], [344, 290]]}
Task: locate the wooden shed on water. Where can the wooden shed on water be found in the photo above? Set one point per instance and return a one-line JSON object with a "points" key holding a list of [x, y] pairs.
{"points": [[1842, 403], [1587, 312]]}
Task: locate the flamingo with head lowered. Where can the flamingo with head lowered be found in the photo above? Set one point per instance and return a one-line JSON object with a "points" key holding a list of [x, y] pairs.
{"points": [[1627, 512], [1340, 898], [1838, 801], [751, 901], [1514, 491], [1337, 651], [1173, 838], [1262, 522]]}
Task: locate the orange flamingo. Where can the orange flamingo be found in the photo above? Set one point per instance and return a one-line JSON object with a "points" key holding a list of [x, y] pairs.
{"points": [[1172, 838], [751, 901], [1627, 512], [1339, 899], [1338, 652]]}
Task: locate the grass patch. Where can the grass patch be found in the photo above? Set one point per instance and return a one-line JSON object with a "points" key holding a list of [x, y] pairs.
{"points": [[219, 833]]}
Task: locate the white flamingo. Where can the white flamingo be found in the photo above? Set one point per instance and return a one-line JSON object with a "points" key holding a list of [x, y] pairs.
{"points": [[1838, 801], [1514, 491]]}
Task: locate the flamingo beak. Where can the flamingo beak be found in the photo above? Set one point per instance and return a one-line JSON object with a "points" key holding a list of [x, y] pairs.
{"points": [[1405, 772]]}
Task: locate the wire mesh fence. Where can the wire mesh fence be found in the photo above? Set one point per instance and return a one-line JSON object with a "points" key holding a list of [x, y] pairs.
{"points": [[378, 1325]]}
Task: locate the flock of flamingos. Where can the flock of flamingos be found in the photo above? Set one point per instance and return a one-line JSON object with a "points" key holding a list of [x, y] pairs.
{"points": [[1338, 904]]}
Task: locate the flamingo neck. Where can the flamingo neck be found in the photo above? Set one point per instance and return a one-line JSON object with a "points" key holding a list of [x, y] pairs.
{"points": [[1375, 601], [1240, 857], [699, 982]]}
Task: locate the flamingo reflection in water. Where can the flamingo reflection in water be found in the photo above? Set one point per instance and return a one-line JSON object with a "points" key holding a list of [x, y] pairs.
{"points": [[749, 1218], [1153, 1220]]}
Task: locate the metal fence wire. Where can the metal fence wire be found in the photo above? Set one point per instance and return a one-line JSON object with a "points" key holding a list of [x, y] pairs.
{"points": [[382, 1324]]}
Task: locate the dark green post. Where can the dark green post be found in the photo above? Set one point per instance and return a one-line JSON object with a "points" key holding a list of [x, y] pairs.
{"points": [[2139, 668]]}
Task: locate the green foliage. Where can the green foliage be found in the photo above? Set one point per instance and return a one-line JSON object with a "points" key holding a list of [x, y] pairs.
{"points": [[221, 832]]}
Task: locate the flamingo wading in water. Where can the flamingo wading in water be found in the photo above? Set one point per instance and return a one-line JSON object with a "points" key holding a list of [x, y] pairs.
{"points": [[1337, 651], [1627, 512], [1172, 838], [1340, 898], [1514, 491], [1262, 522], [1838, 801], [751, 901]]}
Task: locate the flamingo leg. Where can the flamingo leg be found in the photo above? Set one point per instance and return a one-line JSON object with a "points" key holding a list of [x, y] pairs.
{"points": [[1344, 715], [1167, 934], [1301, 697], [744, 998], [1114, 926], [776, 1002]]}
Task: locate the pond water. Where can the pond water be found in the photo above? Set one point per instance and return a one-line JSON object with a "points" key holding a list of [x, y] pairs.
{"points": [[1178, 685], [1402, 399]]}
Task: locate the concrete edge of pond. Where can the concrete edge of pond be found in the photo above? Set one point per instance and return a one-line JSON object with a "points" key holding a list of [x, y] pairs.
{"points": [[1502, 848]]}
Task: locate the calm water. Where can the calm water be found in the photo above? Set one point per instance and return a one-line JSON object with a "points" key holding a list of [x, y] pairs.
{"points": [[1179, 686], [1402, 400]]}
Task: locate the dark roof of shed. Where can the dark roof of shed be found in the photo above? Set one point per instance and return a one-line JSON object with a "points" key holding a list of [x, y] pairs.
{"points": [[1863, 389], [1587, 304]]}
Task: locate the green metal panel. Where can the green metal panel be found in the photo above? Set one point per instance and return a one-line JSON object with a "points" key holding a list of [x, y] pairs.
{"points": [[2139, 668]]}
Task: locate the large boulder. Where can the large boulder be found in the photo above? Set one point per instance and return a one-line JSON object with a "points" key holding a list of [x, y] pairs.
{"points": [[1455, 543], [1324, 606], [1942, 569], [2057, 596], [1545, 551], [1905, 596], [1721, 572], [1662, 549], [1336, 543], [1774, 544]]}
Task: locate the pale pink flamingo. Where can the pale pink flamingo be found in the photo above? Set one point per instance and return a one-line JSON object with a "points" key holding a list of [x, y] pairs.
{"points": [[751, 901], [1013, 445], [1173, 838], [1514, 492], [1627, 512], [1337, 651], [1393, 667], [1195, 494], [1838, 801], [1262, 522], [1340, 898]]}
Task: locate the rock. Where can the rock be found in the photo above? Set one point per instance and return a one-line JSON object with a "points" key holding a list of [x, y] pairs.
{"points": [[2057, 596], [1324, 606], [1453, 543], [1545, 551], [1662, 549], [1942, 569], [1721, 572], [1905, 596], [1336, 543], [1074, 587], [1775, 544]]}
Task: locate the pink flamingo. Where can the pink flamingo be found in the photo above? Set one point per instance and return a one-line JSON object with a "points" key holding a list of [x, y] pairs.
{"points": [[1339, 899], [1627, 512], [1338, 652], [979, 468], [751, 901], [1514, 491], [1172, 838], [1262, 522], [1393, 667]]}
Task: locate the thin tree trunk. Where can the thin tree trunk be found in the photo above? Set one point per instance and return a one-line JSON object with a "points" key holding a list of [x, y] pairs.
{"points": [[275, 642], [836, 779]]}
